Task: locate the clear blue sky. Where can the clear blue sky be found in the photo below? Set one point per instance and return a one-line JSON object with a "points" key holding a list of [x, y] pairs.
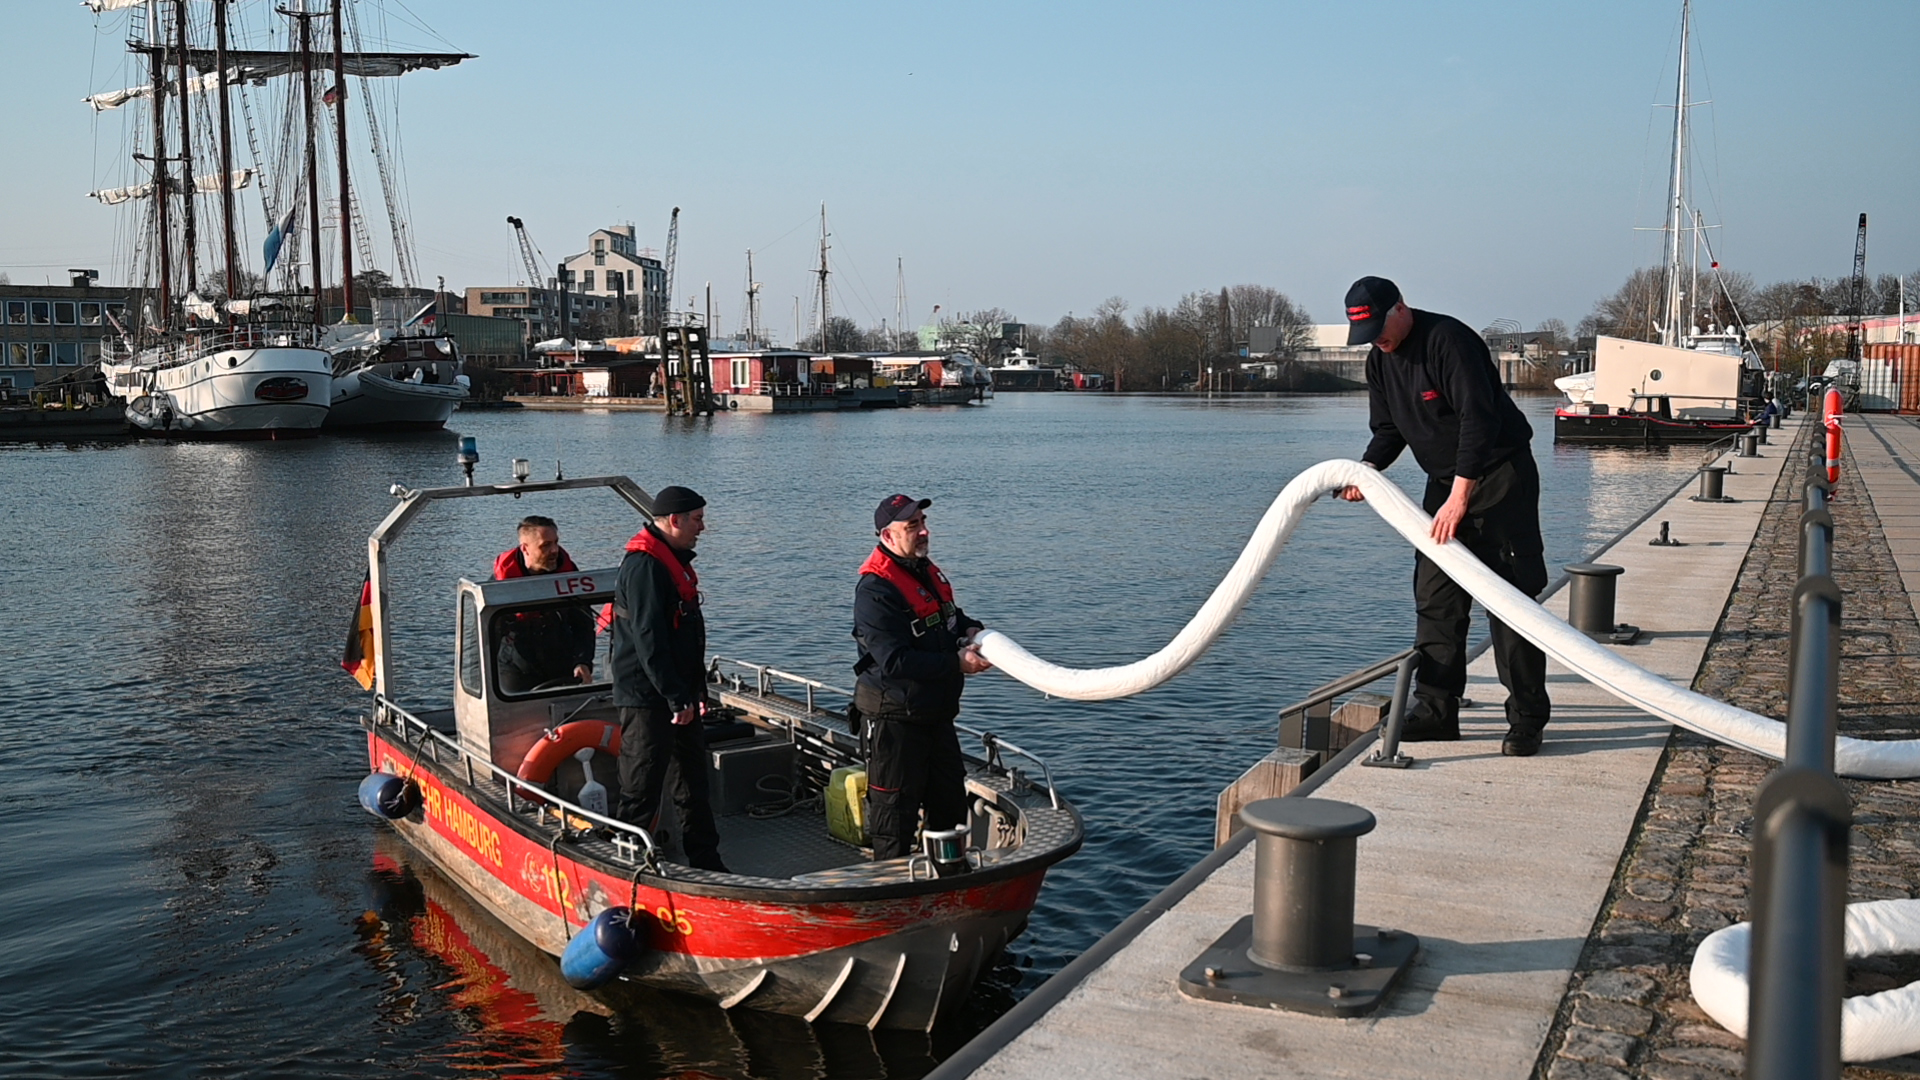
{"points": [[1494, 156]]}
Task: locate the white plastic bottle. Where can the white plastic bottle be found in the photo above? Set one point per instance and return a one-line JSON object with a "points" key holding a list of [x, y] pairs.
{"points": [[593, 794]]}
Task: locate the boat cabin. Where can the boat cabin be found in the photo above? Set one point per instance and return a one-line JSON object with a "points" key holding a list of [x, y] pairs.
{"points": [[515, 650]]}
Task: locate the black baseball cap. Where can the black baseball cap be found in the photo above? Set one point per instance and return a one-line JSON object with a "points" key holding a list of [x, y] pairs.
{"points": [[1368, 302], [897, 508]]}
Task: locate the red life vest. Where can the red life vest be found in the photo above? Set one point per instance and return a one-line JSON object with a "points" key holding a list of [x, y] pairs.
{"points": [[512, 563], [685, 581], [929, 610]]}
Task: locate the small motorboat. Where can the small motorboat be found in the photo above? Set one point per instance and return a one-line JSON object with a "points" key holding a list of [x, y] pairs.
{"points": [[504, 788]]}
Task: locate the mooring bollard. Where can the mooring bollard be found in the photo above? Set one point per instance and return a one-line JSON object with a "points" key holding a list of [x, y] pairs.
{"points": [[1775, 422], [1300, 949], [1590, 594], [1750, 445], [1713, 481]]}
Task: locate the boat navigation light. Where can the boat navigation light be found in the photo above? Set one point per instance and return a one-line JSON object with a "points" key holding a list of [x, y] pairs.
{"points": [[469, 455], [522, 468]]}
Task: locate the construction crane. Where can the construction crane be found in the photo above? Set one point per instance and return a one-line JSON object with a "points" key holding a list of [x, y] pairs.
{"points": [[529, 254], [673, 253], [1857, 308]]}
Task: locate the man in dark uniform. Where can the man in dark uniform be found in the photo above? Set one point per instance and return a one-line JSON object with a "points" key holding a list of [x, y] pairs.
{"points": [[915, 655], [545, 646], [658, 657], [1432, 386]]}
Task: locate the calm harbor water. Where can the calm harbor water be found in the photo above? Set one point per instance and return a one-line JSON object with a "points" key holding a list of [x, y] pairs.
{"points": [[191, 889]]}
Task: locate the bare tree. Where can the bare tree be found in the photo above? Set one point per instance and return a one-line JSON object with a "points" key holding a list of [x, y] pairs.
{"points": [[1635, 310]]}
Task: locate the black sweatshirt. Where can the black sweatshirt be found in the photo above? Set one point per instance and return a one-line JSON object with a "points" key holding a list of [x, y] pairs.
{"points": [[1440, 394], [659, 646], [901, 673]]}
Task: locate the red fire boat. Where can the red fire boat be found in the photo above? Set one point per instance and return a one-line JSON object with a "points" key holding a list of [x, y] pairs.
{"points": [[805, 923]]}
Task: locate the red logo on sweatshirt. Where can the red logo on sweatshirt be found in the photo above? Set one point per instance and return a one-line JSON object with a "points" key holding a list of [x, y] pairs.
{"points": [[1429, 395]]}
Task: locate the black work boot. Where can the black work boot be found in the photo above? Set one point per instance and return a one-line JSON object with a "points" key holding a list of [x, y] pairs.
{"points": [[1432, 719], [1523, 740]]}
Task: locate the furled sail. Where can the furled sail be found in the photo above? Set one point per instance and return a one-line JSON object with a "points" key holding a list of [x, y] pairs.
{"points": [[236, 180], [253, 65], [199, 84], [99, 6]]}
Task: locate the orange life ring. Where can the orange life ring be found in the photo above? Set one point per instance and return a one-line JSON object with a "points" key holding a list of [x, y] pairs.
{"points": [[561, 743], [1833, 449]]}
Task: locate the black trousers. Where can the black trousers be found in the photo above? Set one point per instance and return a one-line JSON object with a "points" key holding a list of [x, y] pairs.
{"points": [[1502, 529], [915, 766], [659, 757]]}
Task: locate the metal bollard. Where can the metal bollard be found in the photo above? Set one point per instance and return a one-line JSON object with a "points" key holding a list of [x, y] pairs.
{"points": [[1750, 445], [1300, 949], [1761, 431], [1713, 480], [1303, 867], [1590, 595]]}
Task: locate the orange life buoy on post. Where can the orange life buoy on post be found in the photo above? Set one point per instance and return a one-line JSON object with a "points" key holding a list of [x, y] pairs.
{"points": [[561, 743]]}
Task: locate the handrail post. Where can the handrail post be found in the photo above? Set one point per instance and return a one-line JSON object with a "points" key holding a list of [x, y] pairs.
{"points": [[1388, 753], [1799, 868]]}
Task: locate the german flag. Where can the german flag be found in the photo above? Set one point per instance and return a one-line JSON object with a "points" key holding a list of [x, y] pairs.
{"points": [[358, 659]]}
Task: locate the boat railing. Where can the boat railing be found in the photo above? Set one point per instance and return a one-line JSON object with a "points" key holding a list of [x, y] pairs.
{"points": [[181, 349], [765, 679], [632, 841]]}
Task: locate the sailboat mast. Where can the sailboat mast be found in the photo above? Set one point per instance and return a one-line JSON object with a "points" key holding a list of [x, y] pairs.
{"points": [[899, 299], [1676, 193], [340, 152], [823, 277], [163, 202], [188, 236], [753, 302], [229, 248], [313, 172]]}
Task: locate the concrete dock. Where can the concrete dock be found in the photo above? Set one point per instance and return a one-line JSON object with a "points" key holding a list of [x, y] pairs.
{"points": [[1508, 870]]}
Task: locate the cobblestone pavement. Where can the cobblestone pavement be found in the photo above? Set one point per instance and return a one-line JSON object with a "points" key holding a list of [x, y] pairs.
{"points": [[1629, 1011]]}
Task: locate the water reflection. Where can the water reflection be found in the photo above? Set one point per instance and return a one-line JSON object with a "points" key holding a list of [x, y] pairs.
{"points": [[437, 954]]}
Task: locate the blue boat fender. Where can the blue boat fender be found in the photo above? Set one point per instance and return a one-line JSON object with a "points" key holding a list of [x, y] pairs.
{"points": [[601, 950], [385, 795]]}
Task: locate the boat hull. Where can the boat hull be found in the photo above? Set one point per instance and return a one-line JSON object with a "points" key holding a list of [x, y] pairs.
{"points": [[1637, 430], [366, 400], [900, 956], [270, 392]]}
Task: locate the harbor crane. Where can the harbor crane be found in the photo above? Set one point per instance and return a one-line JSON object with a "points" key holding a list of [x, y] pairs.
{"points": [[1857, 306], [529, 254], [673, 254]]}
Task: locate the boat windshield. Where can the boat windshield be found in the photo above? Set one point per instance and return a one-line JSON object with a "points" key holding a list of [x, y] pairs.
{"points": [[546, 648]]}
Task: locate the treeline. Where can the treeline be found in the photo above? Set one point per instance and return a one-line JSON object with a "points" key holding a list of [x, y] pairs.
{"points": [[1152, 348], [1799, 315]]}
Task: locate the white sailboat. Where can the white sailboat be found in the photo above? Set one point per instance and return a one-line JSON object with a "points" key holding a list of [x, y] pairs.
{"points": [[1694, 385], [250, 366]]}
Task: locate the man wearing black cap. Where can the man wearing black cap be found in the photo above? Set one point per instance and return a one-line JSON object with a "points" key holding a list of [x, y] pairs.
{"points": [[658, 657], [914, 659], [1432, 386]]}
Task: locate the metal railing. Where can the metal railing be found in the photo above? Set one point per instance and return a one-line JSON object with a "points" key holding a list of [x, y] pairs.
{"points": [[1801, 818], [631, 841], [766, 678]]}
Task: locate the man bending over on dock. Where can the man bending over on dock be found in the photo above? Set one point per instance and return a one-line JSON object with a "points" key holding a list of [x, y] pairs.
{"points": [[915, 655], [1432, 386], [544, 646], [660, 676]]}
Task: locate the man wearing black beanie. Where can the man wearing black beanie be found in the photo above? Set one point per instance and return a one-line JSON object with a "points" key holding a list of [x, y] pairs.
{"points": [[658, 657]]}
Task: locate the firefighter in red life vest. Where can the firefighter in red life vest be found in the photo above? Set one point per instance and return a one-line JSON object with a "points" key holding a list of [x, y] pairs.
{"points": [[658, 656], [915, 655], [547, 645]]}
